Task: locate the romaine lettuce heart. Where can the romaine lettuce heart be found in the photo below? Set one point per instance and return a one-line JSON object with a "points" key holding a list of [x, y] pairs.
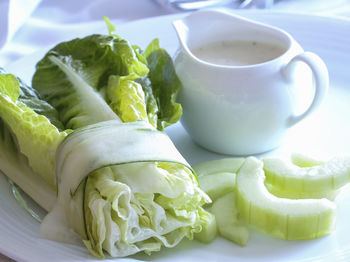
{"points": [[127, 99], [98, 171], [130, 186], [141, 207], [92, 79]]}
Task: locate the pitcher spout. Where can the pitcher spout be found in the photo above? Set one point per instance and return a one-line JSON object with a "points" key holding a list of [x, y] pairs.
{"points": [[182, 32], [194, 30], [206, 27]]}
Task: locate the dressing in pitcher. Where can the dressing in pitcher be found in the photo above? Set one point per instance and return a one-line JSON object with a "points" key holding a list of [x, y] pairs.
{"points": [[238, 81]]}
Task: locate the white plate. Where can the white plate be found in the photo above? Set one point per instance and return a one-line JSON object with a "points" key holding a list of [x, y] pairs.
{"points": [[327, 130]]}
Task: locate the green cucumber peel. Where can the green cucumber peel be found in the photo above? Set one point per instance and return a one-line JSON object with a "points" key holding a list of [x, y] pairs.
{"points": [[317, 179], [288, 219]]}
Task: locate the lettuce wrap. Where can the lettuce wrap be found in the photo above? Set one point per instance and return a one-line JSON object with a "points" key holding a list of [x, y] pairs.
{"points": [[86, 143]]}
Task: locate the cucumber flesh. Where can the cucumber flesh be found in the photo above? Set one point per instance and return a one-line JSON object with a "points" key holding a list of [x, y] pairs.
{"points": [[228, 223], [302, 160], [218, 184], [224, 165], [331, 194], [327, 177], [279, 217], [208, 232]]}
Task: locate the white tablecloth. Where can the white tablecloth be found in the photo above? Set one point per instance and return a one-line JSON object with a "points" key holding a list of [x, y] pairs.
{"points": [[36, 24], [30, 25]]}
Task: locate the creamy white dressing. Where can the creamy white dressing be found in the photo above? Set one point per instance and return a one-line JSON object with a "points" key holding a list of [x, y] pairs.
{"points": [[238, 53]]}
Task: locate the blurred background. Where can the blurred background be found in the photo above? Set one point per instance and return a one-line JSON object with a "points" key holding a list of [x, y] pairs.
{"points": [[29, 25]]}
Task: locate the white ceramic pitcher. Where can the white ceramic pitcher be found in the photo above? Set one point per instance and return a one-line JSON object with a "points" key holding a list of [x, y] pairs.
{"points": [[241, 110]]}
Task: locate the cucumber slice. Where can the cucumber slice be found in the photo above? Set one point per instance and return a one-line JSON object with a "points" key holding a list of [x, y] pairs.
{"points": [[208, 232], [309, 181], [279, 217], [229, 165], [218, 184], [228, 223], [330, 194], [302, 160]]}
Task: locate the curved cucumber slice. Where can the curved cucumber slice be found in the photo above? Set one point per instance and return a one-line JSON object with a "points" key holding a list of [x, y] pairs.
{"points": [[228, 223], [301, 161], [208, 232], [218, 184], [327, 177], [225, 165], [283, 218]]}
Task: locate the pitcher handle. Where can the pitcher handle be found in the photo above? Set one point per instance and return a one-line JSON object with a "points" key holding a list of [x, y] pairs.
{"points": [[320, 75]]}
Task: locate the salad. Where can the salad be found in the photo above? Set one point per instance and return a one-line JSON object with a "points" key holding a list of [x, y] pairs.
{"points": [[85, 141]]}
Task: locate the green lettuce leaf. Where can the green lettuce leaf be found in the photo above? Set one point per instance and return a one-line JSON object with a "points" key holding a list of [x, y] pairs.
{"points": [[104, 77], [38, 139], [28, 138], [161, 86], [127, 99], [85, 87], [127, 213], [73, 77], [129, 178]]}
